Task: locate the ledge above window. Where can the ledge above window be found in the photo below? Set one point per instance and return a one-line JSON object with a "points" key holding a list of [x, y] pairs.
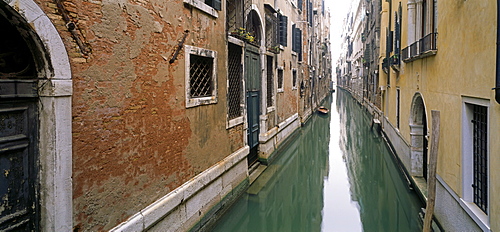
{"points": [[200, 5]]}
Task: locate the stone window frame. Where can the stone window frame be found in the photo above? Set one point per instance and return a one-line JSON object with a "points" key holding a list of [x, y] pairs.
{"points": [[197, 101], [202, 6], [238, 120], [294, 78], [282, 81], [467, 199]]}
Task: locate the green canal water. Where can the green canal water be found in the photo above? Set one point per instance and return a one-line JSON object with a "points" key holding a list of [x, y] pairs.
{"points": [[336, 174]]}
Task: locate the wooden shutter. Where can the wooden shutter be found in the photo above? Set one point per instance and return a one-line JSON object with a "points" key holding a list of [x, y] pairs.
{"points": [[283, 31]]}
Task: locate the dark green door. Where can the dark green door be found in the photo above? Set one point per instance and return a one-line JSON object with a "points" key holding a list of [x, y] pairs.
{"points": [[252, 77]]}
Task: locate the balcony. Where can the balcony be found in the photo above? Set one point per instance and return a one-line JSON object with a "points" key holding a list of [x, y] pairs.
{"points": [[426, 46]]}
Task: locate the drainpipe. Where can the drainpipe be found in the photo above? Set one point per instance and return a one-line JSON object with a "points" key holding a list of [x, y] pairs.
{"points": [[497, 85]]}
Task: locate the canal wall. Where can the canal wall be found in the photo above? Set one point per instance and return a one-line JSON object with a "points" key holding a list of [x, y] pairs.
{"points": [[197, 203], [272, 139]]}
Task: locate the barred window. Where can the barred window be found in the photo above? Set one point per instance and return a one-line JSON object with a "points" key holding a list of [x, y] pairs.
{"points": [[200, 76], [235, 82], [201, 86], [271, 30], [270, 81], [475, 152], [479, 144]]}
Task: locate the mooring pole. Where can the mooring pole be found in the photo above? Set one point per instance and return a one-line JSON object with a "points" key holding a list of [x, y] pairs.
{"points": [[431, 185]]}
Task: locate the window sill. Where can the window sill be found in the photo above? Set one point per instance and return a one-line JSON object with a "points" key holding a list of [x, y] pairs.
{"points": [[280, 91], [270, 109], [476, 214], [234, 122], [193, 102], [202, 7], [235, 40]]}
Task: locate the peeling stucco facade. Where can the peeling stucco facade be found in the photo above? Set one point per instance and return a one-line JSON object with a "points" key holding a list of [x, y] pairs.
{"points": [[123, 144]]}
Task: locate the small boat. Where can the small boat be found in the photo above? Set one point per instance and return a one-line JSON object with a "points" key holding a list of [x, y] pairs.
{"points": [[323, 110]]}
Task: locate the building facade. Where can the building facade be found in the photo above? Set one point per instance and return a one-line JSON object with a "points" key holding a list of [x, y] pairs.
{"points": [[438, 56], [138, 115]]}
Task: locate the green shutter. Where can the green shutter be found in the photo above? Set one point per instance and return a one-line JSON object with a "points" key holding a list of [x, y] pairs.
{"points": [[283, 32]]}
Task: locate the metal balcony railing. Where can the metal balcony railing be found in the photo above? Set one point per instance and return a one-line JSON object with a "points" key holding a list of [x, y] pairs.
{"points": [[414, 50], [426, 46], [428, 43], [405, 53]]}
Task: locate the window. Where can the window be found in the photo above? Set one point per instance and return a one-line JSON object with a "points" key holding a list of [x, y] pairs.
{"points": [[475, 152], [398, 106], [480, 160], [397, 37], [297, 41], [216, 4], [310, 13], [235, 82], [294, 78], [201, 86], [280, 79], [422, 30], [234, 15], [283, 30], [270, 81], [271, 30], [208, 6]]}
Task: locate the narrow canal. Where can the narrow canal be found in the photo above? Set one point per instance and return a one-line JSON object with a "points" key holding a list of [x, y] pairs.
{"points": [[335, 175]]}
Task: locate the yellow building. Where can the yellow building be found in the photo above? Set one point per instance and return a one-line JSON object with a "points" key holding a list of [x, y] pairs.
{"points": [[440, 55]]}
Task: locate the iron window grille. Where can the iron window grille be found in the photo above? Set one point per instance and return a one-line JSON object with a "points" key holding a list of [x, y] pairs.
{"points": [[271, 31], [200, 76], [235, 83], [201, 86], [270, 81], [480, 159]]}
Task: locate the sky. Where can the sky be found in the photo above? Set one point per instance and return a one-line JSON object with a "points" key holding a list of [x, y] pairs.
{"points": [[338, 9]]}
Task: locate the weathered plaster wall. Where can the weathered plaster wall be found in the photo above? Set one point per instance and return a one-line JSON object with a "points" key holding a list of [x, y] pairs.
{"points": [[464, 66], [133, 139]]}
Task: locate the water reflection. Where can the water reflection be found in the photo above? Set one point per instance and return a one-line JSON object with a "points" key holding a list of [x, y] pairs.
{"points": [[287, 196], [335, 175]]}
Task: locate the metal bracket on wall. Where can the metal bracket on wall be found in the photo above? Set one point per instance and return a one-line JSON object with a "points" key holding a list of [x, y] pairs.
{"points": [[84, 48], [179, 46]]}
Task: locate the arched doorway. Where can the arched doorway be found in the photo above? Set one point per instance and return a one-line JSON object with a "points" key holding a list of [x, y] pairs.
{"points": [[418, 134], [253, 75], [35, 122], [18, 130]]}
